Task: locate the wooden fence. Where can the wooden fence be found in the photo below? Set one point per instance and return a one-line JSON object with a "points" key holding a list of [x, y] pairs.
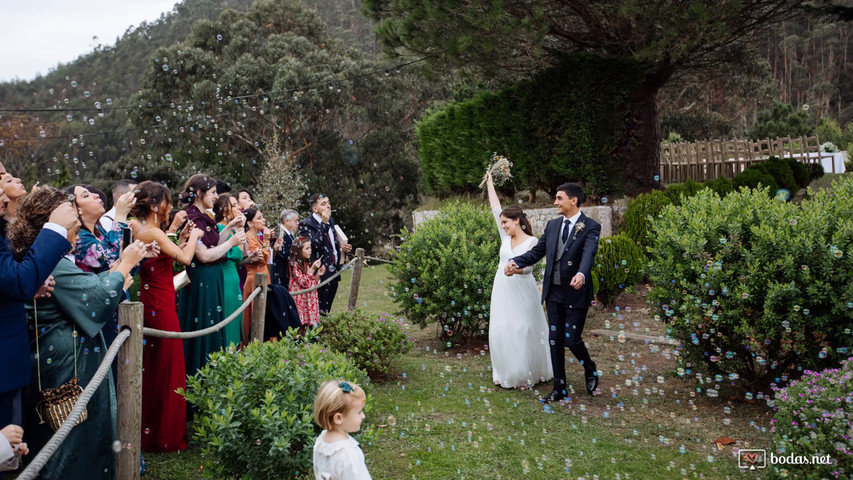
{"points": [[711, 159]]}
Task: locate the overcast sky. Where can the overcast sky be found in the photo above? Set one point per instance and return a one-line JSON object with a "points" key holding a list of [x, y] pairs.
{"points": [[36, 35]]}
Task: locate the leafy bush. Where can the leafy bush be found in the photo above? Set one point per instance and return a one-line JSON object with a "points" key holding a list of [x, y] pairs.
{"points": [[637, 223], [781, 172], [800, 172], [815, 170], [675, 191], [755, 178], [371, 340], [254, 417], [754, 287], [620, 263], [444, 271], [721, 186], [813, 417]]}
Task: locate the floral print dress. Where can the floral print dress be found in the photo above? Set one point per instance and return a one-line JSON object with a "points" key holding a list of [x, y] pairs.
{"points": [[307, 304]]}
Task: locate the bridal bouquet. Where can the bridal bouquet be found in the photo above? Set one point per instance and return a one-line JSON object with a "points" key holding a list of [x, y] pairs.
{"points": [[499, 168]]}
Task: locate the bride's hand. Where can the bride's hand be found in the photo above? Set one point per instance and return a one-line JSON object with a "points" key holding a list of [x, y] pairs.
{"points": [[509, 269], [488, 177]]}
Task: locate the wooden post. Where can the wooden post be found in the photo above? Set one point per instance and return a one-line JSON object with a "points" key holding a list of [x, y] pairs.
{"points": [[129, 392], [356, 278], [259, 307]]}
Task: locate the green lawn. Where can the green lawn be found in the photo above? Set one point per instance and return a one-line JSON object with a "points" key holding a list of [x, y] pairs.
{"points": [[443, 418]]}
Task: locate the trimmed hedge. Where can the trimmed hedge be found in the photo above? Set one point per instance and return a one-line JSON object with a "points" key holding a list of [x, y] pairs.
{"points": [[639, 214], [565, 123]]}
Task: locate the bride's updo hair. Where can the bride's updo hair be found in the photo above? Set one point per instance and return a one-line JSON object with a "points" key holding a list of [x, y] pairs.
{"points": [[514, 212]]}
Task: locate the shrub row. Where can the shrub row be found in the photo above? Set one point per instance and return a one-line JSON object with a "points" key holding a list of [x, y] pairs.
{"points": [[756, 288]]}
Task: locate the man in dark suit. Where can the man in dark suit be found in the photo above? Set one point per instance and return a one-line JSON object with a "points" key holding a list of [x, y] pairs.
{"points": [[21, 281], [569, 244], [289, 226], [320, 228]]}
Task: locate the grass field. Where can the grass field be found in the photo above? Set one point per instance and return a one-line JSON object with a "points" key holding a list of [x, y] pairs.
{"points": [[442, 417]]}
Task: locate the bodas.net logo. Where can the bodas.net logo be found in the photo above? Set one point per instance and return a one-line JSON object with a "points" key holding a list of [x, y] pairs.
{"points": [[751, 459]]}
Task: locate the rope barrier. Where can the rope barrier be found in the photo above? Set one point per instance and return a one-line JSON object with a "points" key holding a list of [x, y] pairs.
{"points": [[324, 282], [56, 440], [380, 260], [153, 332]]}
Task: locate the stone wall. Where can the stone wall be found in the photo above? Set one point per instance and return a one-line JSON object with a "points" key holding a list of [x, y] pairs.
{"points": [[606, 216]]}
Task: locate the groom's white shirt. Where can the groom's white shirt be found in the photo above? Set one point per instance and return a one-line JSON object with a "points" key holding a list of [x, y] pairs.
{"points": [[572, 221]]}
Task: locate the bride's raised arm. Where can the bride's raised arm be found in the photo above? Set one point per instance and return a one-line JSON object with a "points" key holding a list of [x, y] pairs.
{"points": [[494, 202]]}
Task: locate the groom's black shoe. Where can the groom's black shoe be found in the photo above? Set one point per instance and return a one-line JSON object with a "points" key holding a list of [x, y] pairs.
{"points": [[591, 380], [555, 396]]}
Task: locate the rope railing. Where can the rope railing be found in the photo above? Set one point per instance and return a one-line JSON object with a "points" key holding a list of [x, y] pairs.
{"points": [[380, 260], [324, 282], [153, 332], [56, 440]]}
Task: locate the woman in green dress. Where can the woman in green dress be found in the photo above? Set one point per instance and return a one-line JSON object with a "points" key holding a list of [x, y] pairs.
{"points": [[201, 303], [227, 211], [71, 320]]}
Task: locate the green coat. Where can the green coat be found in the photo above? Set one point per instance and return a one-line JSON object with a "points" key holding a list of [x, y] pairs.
{"points": [[84, 301]]}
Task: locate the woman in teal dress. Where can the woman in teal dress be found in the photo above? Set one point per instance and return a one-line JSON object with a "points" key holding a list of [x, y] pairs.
{"points": [[70, 320], [201, 303], [227, 211]]}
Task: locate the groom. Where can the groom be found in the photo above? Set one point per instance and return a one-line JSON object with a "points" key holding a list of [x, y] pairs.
{"points": [[569, 243]]}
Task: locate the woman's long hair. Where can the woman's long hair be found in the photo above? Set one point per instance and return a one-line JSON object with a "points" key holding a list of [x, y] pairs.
{"points": [[514, 212], [33, 212], [151, 195], [195, 186], [222, 208]]}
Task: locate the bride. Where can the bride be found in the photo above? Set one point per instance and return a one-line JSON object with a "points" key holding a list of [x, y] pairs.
{"points": [[518, 330]]}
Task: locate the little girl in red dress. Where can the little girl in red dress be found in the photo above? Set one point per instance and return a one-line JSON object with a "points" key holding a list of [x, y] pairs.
{"points": [[302, 276]]}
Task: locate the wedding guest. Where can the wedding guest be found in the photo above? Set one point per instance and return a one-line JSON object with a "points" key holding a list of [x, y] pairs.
{"points": [[66, 341], [245, 199], [303, 275], [21, 280], [97, 248], [227, 210], [259, 247], [164, 411], [14, 191], [288, 228], [339, 411], [200, 304], [325, 245], [120, 188]]}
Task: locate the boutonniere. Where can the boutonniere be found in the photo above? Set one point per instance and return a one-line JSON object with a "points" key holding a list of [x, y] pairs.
{"points": [[578, 228]]}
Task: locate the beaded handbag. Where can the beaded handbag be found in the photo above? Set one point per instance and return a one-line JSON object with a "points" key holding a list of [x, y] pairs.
{"points": [[57, 403]]}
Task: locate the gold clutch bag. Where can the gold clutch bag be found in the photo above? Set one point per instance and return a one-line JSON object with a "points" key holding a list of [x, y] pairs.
{"points": [[57, 403]]}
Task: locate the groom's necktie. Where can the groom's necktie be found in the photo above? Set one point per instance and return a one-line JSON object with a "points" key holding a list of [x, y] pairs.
{"points": [[567, 225]]}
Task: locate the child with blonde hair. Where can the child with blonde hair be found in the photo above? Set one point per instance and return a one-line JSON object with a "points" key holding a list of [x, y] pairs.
{"points": [[339, 410]]}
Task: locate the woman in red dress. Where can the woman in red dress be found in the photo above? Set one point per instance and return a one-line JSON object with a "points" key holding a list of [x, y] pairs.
{"points": [[164, 412], [304, 275]]}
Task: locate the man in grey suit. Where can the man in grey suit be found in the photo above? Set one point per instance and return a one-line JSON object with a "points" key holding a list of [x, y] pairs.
{"points": [[569, 245]]}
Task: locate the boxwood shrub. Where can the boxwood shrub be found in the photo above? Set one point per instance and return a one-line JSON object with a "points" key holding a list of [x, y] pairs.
{"points": [[371, 340], [443, 271], [254, 416], [756, 288]]}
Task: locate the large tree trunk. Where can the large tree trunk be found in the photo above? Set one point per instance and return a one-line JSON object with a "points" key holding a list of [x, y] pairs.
{"points": [[641, 146]]}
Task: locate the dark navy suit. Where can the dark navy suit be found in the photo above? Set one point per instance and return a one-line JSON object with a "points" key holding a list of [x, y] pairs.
{"points": [[19, 282], [280, 270], [324, 249], [566, 306]]}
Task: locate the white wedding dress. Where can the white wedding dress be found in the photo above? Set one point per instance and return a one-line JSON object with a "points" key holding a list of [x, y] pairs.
{"points": [[518, 330]]}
